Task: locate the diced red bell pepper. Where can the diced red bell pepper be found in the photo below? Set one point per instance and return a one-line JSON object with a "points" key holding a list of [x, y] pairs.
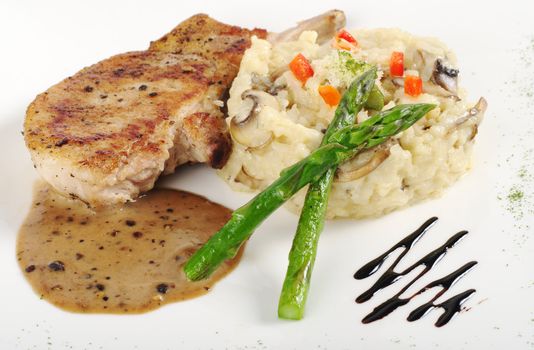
{"points": [[343, 34], [413, 85], [396, 64], [344, 41], [301, 68]]}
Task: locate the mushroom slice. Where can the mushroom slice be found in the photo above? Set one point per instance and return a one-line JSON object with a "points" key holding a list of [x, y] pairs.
{"points": [[364, 163], [246, 179], [260, 82], [424, 62], [445, 76], [437, 90], [477, 111], [435, 69], [474, 132], [326, 25], [265, 84], [244, 126]]}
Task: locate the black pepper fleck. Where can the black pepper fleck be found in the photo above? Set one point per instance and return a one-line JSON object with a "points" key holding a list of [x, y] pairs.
{"points": [[30, 268], [56, 266], [62, 142], [142, 87], [153, 94], [130, 223], [137, 234], [88, 88], [100, 287], [162, 288]]}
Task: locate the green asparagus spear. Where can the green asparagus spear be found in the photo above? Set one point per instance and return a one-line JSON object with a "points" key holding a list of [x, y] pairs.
{"points": [[348, 64], [350, 104], [347, 142], [304, 249], [311, 222], [375, 100]]}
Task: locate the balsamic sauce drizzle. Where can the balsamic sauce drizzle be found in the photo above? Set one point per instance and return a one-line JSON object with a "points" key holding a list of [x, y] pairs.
{"points": [[450, 306]]}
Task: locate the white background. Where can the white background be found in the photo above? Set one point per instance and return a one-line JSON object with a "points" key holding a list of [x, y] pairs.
{"points": [[44, 41]]}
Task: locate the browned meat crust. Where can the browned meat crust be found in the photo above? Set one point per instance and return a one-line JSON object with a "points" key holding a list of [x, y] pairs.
{"points": [[106, 133]]}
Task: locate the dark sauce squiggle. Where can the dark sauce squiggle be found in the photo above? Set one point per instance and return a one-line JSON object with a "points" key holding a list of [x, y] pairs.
{"points": [[450, 306]]}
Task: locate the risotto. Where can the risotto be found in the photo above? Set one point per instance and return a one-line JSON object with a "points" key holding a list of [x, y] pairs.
{"points": [[286, 116]]}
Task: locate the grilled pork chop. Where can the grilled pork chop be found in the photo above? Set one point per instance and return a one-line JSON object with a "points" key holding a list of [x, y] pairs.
{"points": [[105, 134]]}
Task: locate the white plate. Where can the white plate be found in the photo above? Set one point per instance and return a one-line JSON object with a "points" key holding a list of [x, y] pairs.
{"points": [[42, 42]]}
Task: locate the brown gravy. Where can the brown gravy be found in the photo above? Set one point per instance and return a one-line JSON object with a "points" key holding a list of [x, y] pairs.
{"points": [[117, 260]]}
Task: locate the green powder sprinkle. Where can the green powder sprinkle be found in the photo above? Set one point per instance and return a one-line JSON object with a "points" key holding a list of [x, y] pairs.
{"points": [[515, 195]]}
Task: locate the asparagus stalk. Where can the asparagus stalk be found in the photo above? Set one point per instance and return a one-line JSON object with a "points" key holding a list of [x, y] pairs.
{"points": [[346, 143], [350, 65], [350, 104], [375, 100], [304, 249]]}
